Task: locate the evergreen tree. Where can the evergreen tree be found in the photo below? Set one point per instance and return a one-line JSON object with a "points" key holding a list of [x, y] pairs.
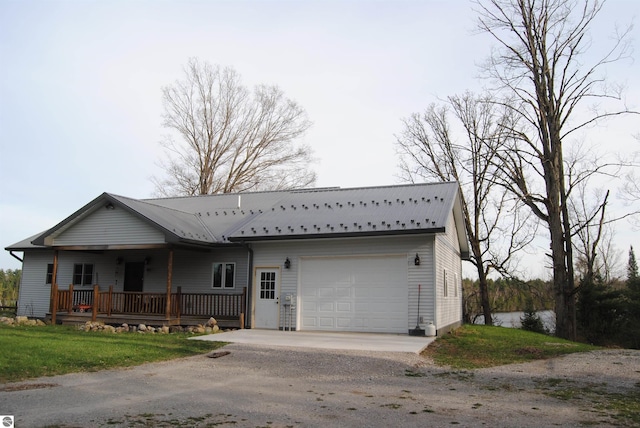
{"points": [[632, 268], [530, 320], [631, 328], [600, 313]]}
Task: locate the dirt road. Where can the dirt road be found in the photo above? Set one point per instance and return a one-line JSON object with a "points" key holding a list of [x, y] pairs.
{"points": [[286, 387]]}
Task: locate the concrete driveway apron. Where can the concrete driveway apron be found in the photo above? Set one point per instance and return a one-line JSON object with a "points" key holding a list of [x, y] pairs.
{"points": [[382, 342]]}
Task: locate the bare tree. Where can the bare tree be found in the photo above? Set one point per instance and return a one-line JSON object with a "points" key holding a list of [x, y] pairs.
{"points": [[540, 62], [231, 139], [631, 188], [430, 150], [591, 221]]}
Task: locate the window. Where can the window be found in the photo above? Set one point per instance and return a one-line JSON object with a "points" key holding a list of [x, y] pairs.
{"points": [[49, 277], [455, 285], [446, 284], [83, 274], [224, 275]]}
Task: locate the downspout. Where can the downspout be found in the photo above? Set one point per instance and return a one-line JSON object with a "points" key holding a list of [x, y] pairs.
{"points": [[20, 287], [435, 284], [247, 316], [16, 257]]}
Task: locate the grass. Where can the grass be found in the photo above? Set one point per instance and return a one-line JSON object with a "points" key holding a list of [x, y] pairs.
{"points": [[29, 352], [624, 408], [477, 346]]}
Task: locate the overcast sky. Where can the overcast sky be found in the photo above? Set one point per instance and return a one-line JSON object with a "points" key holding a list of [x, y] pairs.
{"points": [[80, 87]]}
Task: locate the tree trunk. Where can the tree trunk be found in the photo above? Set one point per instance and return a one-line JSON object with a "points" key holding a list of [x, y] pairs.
{"points": [[560, 241], [482, 284]]}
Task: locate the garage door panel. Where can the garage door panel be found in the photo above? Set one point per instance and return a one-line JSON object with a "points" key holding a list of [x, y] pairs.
{"points": [[326, 292], [309, 306], [327, 322], [309, 322], [325, 307], [363, 294], [380, 307], [344, 307], [362, 307], [343, 322], [343, 292]]}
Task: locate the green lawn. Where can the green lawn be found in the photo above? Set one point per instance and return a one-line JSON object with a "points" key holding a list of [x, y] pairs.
{"points": [[476, 346], [28, 352]]}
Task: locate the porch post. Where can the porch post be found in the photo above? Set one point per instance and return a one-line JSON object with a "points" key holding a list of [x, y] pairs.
{"points": [[96, 297], [54, 274], [53, 306], [70, 299], [169, 279], [109, 300], [54, 302], [179, 302]]}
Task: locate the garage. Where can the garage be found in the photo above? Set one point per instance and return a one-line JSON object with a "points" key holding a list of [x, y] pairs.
{"points": [[360, 294]]}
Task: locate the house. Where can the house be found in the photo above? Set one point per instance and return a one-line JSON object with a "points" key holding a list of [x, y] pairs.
{"points": [[377, 259]]}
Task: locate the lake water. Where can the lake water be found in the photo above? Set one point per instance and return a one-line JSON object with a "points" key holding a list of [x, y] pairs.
{"points": [[512, 319]]}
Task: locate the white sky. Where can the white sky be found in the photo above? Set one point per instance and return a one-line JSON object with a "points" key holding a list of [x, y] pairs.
{"points": [[80, 87]]}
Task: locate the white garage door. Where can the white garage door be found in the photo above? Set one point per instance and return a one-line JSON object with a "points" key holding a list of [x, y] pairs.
{"points": [[364, 294]]}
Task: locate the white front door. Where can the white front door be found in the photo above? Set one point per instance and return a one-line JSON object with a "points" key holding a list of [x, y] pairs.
{"points": [[267, 298]]}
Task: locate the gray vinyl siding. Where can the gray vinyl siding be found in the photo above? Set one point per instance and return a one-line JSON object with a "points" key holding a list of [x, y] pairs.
{"points": [[273, 255], [33, 295], [449, 309], [104, 227], [191, 271]]}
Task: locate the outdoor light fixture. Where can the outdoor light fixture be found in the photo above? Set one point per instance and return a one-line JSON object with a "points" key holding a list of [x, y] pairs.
{"points": [[110, 206], [417, 260], [287, 263], [147, 260], [119, 260]]}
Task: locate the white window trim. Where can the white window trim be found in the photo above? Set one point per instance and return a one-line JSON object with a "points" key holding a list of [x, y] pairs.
{"points": [[455, 285], [48, 279], [223, 277], [84, 274], [446, 284]]}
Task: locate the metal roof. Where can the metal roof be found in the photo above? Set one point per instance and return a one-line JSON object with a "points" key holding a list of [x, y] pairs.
{"points": [[181, 224], [353, 212], [26, 244], [290, 214]]}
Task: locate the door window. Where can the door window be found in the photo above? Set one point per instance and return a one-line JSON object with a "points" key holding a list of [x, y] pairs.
{"points": [[268, 285]]}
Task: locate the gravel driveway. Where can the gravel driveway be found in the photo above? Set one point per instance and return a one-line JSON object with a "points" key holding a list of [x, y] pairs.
{"points": [[257, 386]]}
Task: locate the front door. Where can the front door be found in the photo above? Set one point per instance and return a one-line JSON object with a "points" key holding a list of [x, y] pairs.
{"points": [[267, 298], [133, 282], [133, 276]]}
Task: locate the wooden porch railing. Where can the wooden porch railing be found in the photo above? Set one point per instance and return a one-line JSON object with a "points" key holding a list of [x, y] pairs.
{"points": [[226, 306]]}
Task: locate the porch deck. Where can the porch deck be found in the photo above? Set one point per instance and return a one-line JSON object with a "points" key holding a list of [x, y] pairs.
{"points": [[79, 306]]}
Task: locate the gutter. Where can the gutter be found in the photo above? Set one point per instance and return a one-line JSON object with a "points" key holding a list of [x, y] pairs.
{"points": [[15, 257], [393, 232]]}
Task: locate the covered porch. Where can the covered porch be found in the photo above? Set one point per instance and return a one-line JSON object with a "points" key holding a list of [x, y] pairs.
{"points": [[72, 306]]}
